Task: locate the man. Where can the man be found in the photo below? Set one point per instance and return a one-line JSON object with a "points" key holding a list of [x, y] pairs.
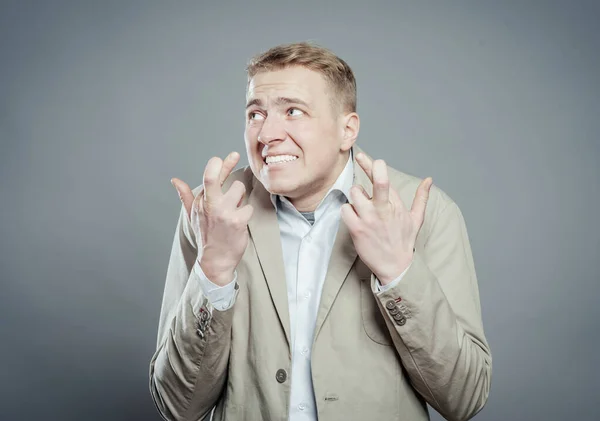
{"points": [[302, 287]]}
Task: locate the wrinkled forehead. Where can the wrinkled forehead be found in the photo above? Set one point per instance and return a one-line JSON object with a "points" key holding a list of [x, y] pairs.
{"points": [[291, 82]]}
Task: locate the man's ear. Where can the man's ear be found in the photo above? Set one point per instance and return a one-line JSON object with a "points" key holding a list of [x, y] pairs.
{"points": [[350, 127]]}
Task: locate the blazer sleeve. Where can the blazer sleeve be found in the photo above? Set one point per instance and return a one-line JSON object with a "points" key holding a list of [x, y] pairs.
{"points": [[189, 368], [434, 316]]}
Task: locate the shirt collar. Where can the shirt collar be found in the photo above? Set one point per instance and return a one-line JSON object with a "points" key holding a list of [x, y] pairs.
{"points": [[342, 184]]}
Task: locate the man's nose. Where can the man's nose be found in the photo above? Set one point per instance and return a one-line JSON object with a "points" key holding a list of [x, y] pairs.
{"points": [[272, 130]]}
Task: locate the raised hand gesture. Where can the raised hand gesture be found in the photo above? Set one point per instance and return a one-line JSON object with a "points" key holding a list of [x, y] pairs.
{"points": [[218, 219], [383, 230]]}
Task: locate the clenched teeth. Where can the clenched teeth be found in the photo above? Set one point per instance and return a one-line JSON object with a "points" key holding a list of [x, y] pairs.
{"points": [[280, 158]]}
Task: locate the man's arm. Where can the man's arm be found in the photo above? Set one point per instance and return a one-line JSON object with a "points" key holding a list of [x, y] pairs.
{"points": [[189, 368], [434, 316]]}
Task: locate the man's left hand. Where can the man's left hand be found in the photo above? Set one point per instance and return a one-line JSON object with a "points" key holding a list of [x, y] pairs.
{"points": [[383, 230]]}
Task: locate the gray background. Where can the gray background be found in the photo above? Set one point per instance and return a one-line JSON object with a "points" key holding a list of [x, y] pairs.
{"points": [[101, 103]]}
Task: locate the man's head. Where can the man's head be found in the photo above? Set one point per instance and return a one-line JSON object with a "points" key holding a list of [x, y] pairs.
{"points": [[301, 105]]}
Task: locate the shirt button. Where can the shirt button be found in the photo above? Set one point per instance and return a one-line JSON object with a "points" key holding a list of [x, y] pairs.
{"points": [[302, 406], [305, 351], [281, 375], [307, 295]]}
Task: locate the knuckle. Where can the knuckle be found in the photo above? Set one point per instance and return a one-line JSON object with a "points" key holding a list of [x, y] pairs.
{"points": [[236, 222], [359, 229], [221, 217], [382, 184], [368, 220]]}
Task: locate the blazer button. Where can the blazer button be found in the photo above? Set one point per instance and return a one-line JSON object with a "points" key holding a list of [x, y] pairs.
{"points": [[394, 311], [281, 375], [398, 317], [390, 304]]}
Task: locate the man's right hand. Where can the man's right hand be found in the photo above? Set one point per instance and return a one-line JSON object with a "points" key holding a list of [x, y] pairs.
{"points": [[217, 219]]}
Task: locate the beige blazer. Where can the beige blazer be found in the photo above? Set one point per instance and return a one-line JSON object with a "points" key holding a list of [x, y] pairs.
{"points": [[374, 356]]}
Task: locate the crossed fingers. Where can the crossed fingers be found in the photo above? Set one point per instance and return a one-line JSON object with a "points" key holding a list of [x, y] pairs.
{"points": [[384, 196], [385, 199], [215, 174]]}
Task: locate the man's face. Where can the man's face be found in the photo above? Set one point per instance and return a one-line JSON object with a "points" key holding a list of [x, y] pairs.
{"points": [[296, 141]]}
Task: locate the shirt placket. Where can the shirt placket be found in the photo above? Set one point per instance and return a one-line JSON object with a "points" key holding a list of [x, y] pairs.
{"points": [[303, 402]]}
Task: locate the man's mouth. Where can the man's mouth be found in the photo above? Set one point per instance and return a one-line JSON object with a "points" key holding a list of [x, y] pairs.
{"points": [[279, 159]]}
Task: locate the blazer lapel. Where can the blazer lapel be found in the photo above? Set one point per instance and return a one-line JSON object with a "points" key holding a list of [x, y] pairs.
{"points": [[264, 230], [343, 253]]}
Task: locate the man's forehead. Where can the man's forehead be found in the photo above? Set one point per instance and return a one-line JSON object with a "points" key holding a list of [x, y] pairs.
{"points": [[277, 88], [293, 82]]}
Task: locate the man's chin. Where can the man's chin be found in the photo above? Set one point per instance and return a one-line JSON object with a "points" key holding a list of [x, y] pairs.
{"points": [[280, 191], [279, 188]]}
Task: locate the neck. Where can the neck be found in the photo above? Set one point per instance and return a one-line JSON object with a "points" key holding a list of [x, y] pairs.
{"points": [[309, 201]]}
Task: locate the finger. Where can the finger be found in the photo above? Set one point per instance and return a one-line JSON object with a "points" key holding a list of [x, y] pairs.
{"points": [[366, 164], [228, 165], [360, 200], [239, 203], [212, 186], [185, 194], [421, 198], [235, 194], [350, 217], [381, 185], [363, 191], [245, 213], [198, 202], [196, 212], [396, 200]]}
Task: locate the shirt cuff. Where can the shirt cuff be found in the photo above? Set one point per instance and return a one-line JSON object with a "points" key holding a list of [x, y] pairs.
{"points": [[381, 288], [221, 298]]}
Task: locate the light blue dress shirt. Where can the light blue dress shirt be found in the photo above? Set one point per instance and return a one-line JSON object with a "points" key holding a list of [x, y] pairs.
{"points": [[306, 251]]}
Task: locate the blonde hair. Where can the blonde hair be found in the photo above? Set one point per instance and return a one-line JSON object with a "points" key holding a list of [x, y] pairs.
{"points": [[313, 57]]}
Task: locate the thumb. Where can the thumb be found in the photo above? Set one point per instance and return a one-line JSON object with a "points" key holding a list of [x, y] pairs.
{"points": [[185, 194], [421, 199], [245, 213]]}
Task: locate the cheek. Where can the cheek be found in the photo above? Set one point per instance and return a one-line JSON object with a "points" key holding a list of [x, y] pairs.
{"points": [[318, 146], [254, 158], [251, 138]]}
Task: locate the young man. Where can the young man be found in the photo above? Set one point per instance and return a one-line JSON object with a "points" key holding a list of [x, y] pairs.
{"points": [[302, 287]]}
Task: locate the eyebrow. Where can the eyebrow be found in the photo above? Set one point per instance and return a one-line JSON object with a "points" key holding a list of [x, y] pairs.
{"points": [[279, 101]]}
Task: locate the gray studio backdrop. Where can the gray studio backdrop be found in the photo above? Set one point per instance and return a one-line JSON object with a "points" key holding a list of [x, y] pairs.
{"points": [[101, 103]]}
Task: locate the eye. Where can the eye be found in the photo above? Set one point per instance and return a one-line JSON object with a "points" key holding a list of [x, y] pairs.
{"points": [[253, 115], [298, 112]]}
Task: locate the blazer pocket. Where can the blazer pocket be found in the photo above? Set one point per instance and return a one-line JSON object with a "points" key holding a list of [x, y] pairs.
{"points": [[373, 321]]}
